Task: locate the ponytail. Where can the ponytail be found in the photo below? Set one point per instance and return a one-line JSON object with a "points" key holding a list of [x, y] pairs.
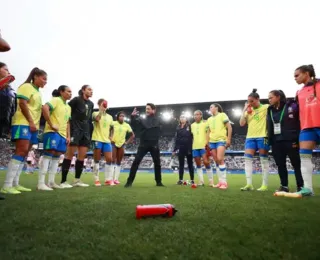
{"points": [[82, 89], [35, 72], [57, 92], [279, 93]]}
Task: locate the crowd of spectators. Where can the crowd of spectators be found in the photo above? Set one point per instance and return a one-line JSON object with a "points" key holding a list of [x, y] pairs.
{"points": [[234, 162]]}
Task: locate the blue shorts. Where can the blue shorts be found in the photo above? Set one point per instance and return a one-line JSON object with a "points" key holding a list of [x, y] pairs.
{"points": [[54, 141], [104, 147], [22, 132], [198, 152], [257, 144], [312, 134], [214, 146]]}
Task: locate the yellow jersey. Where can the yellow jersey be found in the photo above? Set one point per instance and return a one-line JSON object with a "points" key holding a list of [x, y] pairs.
{"points": [[60, 113], [217, 126], [257, 122], [31, 94], [119, 132], [101, 130], [199, 133]]}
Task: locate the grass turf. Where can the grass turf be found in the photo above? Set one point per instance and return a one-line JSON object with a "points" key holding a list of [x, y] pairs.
{"points": [[99, 223]]}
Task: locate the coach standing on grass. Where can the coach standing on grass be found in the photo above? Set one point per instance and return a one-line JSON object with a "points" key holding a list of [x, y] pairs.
{"points": [[4, 46], [283, 136], [149, 142]]}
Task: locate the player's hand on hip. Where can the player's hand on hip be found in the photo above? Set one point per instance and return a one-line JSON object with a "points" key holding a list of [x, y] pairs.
{"points": [[228, 143], [33, 127], [55, 128]]}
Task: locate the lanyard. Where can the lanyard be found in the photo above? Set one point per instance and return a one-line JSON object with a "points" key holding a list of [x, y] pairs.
{"points": [[281, 115]]}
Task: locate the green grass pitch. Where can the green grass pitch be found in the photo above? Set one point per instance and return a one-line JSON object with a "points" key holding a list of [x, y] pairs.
{"points": [[99, 223]]}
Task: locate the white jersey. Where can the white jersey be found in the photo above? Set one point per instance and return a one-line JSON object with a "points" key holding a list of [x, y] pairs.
{"points": [[85, 161]]}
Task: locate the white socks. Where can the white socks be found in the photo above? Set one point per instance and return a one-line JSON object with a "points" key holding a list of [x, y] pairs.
{"points": [[43, 169], [306, 170], [248, 168], [223, 173], [17, 177], [117, 169], [108, 172], [265, 170], [53, 169], [12, 171], [209, 174], [218, 172], [96, 168], [200, 175]]}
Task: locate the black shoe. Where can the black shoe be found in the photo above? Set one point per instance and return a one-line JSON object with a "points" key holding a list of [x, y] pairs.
{"points": [[128, 185], [2, 197], [282, 188], [299, 189], [159, 184], [180, 183], [191, 182]]}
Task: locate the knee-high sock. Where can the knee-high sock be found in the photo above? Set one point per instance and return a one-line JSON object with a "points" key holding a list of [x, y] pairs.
{"points": [[200, 174], [306, 168], [65, 169], [17, 177], [108, 173], [209, 173], [265, 168], [218, 172], [96, 168], [13, 168], [53, 169], [79, 169], [44, 168], [248, 168], [117, 170], [223, 172]]}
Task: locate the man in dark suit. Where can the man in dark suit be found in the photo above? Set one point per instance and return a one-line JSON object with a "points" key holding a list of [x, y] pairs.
{"points": [[149, 142]]}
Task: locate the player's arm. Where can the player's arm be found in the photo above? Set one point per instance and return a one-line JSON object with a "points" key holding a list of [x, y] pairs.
{"points": [[4, 46], [97, 117], [68, 133], [243, 118], [23, 104], [46, 114], [111, 132], [208, 131], [132, 136], [229, 137]]}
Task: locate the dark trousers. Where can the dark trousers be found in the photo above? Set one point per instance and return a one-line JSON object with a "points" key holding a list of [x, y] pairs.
{"points": [[181, 157], [142, 151], [280, 151]]}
